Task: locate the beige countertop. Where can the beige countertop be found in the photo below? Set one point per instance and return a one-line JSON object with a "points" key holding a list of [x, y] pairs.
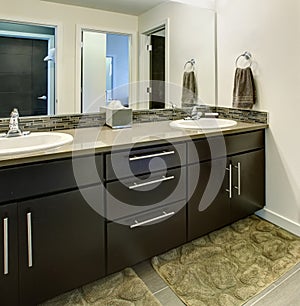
{"points": [[103, 139]]}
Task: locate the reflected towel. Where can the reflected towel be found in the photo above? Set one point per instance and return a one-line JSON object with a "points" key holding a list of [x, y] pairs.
{"points": [[244, 92], [189, 89]]}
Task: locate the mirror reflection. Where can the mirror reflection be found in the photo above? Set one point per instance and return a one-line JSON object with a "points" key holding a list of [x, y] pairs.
{"points": [[27, 69], [182, 32], [189, 34], [170, 35], [105, 69]]}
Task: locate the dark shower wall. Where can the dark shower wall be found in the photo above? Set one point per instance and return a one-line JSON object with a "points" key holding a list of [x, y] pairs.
{"points": [[23, 76]]}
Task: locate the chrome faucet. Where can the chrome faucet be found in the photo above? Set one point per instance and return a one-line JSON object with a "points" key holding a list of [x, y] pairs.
{"points": [[204, 112], [195, 114], [14, 129]]}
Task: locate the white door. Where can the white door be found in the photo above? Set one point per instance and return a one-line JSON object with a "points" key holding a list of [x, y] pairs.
{"points": [[93, 71]]}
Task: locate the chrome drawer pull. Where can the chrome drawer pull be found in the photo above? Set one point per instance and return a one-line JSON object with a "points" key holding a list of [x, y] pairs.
{"points": [[229, 190], [5, 245], [151, 155], [29, 240], [238, 187], [163, 179], [164, 215]]}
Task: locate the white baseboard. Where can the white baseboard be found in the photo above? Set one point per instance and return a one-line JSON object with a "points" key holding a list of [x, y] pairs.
{"points": [[283, 222]]}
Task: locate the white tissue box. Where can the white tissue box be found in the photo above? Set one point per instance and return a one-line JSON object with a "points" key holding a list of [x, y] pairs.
{"points": [[117, 118]]}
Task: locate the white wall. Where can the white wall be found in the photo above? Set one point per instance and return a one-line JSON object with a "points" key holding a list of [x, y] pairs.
{"points": [[191, 35], [93, 72], [270, 30], [66, 18]]}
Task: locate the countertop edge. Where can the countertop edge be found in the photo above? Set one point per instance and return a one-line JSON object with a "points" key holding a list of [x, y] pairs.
{"points": [[67, 151]]}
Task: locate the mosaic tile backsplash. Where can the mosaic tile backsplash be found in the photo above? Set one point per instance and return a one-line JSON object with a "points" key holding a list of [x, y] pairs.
{"points": [[61, 122]]}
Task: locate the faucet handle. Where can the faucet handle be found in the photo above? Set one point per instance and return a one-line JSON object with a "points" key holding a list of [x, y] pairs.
{"points": [[14, 113], [195, 114]]}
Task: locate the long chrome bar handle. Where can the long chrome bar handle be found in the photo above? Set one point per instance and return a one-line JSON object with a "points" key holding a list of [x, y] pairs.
{"points": [[238, 187], [229, 190], [29, 239], [163, 179], [164, 215], [5, 246], [151, 155]]}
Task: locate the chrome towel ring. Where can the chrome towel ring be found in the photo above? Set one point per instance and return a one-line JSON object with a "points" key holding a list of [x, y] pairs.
{"points": [[192, 62], [247, 55]]}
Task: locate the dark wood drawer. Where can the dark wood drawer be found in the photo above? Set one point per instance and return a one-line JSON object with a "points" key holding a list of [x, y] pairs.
{"points": [[245, 142], [127, 245], [127, 163], [220, 146], [48, 177], [133, 195]]}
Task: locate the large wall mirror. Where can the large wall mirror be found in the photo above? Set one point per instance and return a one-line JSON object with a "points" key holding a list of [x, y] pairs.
{"points": [[66, 79], [27, 68]]}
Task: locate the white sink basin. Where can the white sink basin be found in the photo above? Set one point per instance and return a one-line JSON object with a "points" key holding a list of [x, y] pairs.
{"points": [[203, 123], [39, 141]]}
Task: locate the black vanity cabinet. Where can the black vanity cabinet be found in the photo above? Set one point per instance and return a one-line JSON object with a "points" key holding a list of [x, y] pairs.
{"points": [[68, 222], [248, 184], [56, 240], [146, 204], [237, 186], [9, 273], [61, 242]]}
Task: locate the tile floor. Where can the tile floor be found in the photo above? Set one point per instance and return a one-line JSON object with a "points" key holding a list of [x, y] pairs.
{"points": [[284, 292]]}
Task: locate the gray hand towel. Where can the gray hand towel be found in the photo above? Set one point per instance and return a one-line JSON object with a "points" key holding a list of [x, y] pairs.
{"points": [[244, 92], [189, 89]]}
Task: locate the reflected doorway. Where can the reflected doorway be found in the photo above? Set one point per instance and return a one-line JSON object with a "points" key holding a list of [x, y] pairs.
{"points": [[23, 76], [157, 69], [27, 72], [105, 69]]}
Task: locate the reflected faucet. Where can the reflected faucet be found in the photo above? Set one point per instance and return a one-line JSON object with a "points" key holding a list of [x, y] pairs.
{"points": [[195, 114]]}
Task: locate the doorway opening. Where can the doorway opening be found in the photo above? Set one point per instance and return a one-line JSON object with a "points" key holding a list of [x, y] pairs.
{"points": [[154, 67], [157, 69], [105, 69], [27, 73]]}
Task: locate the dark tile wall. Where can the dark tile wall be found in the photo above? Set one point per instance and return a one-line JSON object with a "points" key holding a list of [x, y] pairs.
{"points": [[61, 122]]}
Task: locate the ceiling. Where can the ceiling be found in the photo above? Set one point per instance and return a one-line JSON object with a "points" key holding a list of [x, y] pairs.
{"points": [[131, 7]]}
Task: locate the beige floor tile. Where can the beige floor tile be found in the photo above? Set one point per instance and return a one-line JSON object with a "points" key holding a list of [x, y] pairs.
{"points": [[152, 280], [168, 298]]}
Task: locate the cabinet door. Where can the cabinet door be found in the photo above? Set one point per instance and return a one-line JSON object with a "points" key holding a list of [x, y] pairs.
{"points": [[9, 255], [209, 203], [61, 244], [248, 184]]}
